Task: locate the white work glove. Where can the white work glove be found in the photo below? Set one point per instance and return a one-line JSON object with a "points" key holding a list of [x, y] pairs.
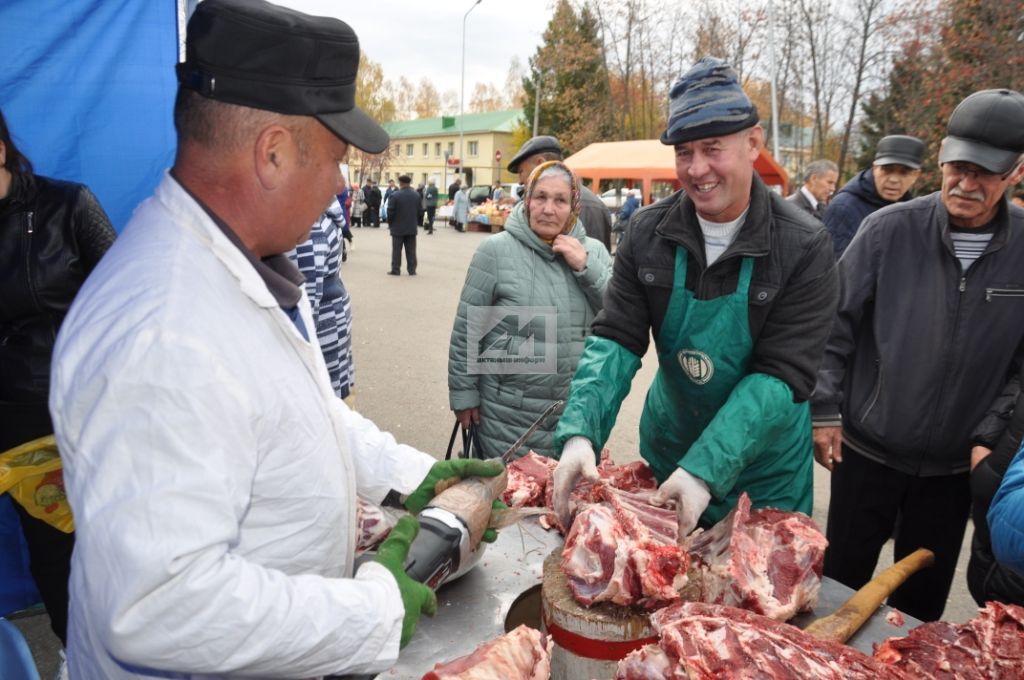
{"points": [[691, 495], [578, 460]]}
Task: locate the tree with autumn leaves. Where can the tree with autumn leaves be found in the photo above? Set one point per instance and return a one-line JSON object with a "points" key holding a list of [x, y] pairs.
{"points": [[963, 47]]}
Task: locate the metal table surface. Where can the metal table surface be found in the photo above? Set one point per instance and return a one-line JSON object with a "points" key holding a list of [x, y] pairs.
{"points": [[472, 610]]}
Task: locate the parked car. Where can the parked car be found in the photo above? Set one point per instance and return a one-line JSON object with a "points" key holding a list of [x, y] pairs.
{"points": [[614, 198]]}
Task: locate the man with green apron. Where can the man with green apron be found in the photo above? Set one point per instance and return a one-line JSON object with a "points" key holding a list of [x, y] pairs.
{"points": [[738, 289]]}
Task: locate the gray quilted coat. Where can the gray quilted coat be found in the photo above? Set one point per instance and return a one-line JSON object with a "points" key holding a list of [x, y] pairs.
{"points": [[516, 268]]}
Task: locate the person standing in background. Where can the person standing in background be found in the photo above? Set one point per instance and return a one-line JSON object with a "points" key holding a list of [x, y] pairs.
{"points": [[460, 213], [889, 180], [820, 179], [430, 203], [52, 235], [404, 207]]}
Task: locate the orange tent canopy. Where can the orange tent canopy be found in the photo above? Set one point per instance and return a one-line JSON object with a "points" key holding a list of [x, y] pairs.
{"points": [[646, 161]]}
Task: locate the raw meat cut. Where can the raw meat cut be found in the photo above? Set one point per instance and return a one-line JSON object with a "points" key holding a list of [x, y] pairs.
{"points": [[523, 654], [767, 561], [374, 525], [988, 647], [699, 641], [528, 479], [623, 550]]}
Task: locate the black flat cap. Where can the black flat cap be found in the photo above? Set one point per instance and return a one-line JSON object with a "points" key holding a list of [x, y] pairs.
{"points": [[899, 150], [253, 53], [987, 129], [541, 144]]}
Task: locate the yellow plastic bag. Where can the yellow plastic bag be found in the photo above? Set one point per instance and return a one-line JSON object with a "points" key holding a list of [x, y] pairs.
{"points": [[33, 475]]}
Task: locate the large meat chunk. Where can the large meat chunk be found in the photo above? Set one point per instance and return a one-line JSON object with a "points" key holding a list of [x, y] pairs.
{"points": [[988, 647], [374, 525], [528, 479], [523, 654], [623, 550], [768, 561], [699, 641]]}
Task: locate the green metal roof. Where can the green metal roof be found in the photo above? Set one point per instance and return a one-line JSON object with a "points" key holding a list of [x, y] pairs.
{"points": [[496, 121]]}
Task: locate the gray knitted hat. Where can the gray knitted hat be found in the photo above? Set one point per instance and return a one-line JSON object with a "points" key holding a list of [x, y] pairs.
{"points": [[707, 101]]}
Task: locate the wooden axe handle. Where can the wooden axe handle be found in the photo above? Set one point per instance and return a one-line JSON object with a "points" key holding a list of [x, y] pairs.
{"points": [[847, 620]]}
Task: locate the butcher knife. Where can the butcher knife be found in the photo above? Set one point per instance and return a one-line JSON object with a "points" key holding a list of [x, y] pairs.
{"points": [[510, 453]]}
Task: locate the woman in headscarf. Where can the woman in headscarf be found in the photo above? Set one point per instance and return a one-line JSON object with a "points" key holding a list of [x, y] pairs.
{"points": [[530, 295]]}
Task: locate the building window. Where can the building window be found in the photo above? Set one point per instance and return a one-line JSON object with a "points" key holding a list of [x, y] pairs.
{"points": [[426, 148], [451, 148], [437, 149], [398, 149], [409, 150], [472, 150]]}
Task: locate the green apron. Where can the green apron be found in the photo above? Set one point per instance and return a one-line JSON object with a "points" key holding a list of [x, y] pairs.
{"points": [[704, 348]]}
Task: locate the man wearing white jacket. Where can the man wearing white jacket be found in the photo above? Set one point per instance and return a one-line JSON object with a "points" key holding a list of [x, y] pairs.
{"points": [[212, 471]]}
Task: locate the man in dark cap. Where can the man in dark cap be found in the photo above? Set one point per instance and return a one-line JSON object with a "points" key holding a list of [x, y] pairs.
{"points": [[890, 178], [596, 218], [737, 286], [915, 385], [212, 470], [403, 211]]}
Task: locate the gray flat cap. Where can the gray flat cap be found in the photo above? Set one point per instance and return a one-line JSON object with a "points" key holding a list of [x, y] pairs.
{"points": [[540, 144]]}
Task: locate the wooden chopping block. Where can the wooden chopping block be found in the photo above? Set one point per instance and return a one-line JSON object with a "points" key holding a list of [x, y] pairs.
{"points": [[840, 625], [588, 641]]}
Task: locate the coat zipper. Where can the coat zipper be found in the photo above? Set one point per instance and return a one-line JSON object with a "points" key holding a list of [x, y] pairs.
{"points": [[1002, 292], [874, 395]]}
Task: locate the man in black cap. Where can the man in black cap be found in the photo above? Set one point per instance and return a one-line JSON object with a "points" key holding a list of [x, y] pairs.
{"points": [[403, 210], [594, 214], [914, 388], [212, 470], [737, 286], [890, 178]]}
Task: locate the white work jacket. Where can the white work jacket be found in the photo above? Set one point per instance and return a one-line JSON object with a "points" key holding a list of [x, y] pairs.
{"points": [[212, 471]]}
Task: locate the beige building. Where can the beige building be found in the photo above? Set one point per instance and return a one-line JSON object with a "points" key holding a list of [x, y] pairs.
{"points": [[429, 149]]}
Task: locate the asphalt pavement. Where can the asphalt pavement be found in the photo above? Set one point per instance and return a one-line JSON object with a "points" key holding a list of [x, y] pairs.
{"points": [[402, 327]]}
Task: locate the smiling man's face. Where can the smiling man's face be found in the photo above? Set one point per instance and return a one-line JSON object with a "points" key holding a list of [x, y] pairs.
{"points": [[717, 172]]}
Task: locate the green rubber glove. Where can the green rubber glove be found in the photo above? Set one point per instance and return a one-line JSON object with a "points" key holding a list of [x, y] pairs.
{"points": [[491, 535], [444, 473], [416, 597]]}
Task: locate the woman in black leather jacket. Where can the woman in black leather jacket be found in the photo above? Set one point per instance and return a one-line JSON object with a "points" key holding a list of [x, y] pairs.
{"points": [[52, 234]]}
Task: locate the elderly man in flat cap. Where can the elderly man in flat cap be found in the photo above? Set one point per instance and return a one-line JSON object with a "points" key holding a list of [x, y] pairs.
{"points": [[892, 175], [594, 214], [212, 470], [920, 371], [738, 287]]}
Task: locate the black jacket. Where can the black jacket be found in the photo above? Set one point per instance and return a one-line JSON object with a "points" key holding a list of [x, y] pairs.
{"points": [[987, 579], [403, 211], [921, 351], [856, 200], [596, 218], [52, 234], [792, 292]]}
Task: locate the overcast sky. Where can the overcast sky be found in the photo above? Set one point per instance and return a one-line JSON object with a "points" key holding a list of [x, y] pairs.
{"points": [[423, 38]]}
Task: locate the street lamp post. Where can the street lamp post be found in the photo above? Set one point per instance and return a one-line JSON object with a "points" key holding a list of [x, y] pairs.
{"points": [[462, 91]]}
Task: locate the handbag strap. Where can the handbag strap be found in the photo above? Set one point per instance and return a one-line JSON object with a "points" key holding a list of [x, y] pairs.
{"points": [[470, 442]]}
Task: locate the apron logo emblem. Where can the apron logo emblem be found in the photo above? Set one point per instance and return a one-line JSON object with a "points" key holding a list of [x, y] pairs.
{"points": [[697, 365]]}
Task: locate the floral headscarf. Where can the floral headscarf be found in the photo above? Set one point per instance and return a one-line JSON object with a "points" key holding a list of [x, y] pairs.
{"points": [[556, 169]]}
